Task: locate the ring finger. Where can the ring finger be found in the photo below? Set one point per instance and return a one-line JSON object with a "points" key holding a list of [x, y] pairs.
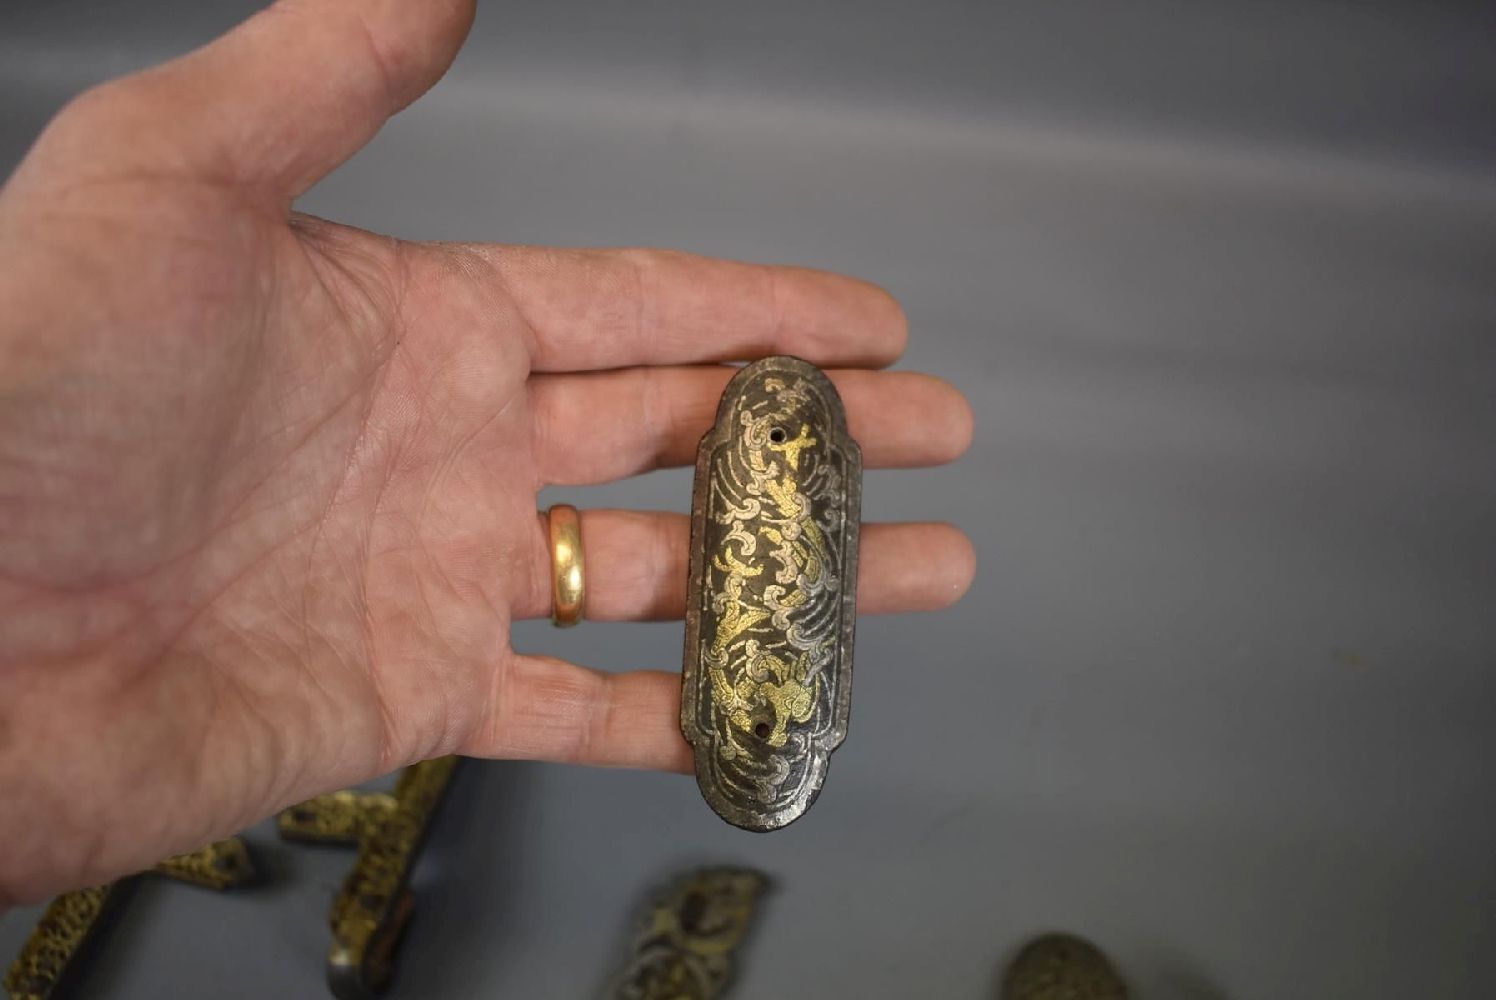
{"points": [[636, 566]]}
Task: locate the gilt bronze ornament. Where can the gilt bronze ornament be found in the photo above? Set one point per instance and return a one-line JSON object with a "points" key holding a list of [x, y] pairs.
{"points": [[772, 593], [374, 905], [50, 961], [686, 941]]}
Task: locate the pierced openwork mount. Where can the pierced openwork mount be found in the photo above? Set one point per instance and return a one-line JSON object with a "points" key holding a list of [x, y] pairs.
{"points": [[684, 947], [374, 905], [49, 963]]}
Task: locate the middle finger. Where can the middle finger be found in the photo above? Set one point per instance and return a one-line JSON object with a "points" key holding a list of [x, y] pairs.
{"points": [[599, 426]]}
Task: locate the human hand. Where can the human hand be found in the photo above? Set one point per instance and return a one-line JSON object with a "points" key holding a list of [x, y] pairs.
{"points": [[268, 484]]}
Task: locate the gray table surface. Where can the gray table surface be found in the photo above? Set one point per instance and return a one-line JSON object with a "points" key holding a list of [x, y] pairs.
{"points": [[1220, 282]]}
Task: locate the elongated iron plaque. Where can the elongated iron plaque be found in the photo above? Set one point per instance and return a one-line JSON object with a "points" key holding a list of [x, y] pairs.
{"points": [[772, 593]]}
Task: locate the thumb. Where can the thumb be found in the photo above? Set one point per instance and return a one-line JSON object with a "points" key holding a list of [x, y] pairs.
{"points": [[282, 99]]}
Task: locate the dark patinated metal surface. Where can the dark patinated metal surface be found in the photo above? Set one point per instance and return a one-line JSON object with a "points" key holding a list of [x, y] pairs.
{"points": [[685, 944], [772, 593]]}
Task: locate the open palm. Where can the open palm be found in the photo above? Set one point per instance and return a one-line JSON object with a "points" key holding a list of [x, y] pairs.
{"points": [[267, 483]]}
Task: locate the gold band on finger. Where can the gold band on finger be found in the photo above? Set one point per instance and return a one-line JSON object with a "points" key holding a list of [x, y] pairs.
{"points": [[568, 593]]}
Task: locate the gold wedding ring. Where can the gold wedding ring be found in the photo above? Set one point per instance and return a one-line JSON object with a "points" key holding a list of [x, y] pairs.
{"points": [[568, 595]]}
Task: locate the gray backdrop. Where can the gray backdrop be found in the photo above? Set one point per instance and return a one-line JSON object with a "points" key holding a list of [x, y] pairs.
{"points": [[1220, 281]]}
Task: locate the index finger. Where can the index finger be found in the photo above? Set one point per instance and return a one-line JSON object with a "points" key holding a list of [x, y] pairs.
{"points": [[596, 309]]}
